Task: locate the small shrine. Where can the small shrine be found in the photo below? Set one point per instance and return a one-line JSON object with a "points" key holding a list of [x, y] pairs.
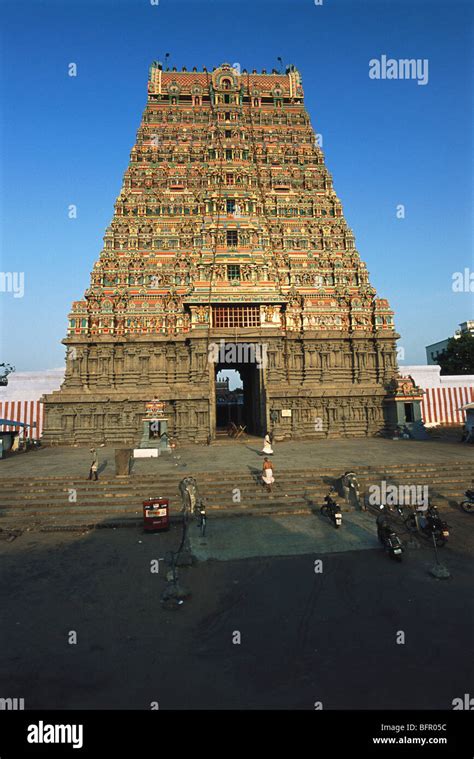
{"points": [[155, 427], [404, 408]]}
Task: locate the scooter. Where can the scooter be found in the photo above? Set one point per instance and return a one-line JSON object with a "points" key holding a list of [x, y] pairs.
{"points": [[433, 525], [331, 510], [468, 505]]}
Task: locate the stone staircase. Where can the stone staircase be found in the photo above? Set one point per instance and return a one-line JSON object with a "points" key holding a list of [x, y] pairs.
{"points": [[69, 503]]}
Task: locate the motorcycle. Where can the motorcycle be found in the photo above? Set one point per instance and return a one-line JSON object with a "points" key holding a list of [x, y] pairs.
{"points": [[433, 525], [388, 537], [468, 505], [331, 510], [391, 542], [400, 512], [202, 519]]}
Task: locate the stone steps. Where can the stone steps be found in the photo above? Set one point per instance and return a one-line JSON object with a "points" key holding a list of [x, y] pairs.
{"points": [[44, 501], [390, 469], [121, 485], [61, 497], [244, 483], [256, 499], [211, 495], [207, 494], [225, 476]]}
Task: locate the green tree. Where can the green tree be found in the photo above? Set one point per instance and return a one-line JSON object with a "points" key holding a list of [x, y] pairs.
{"points": [[458, 358]]}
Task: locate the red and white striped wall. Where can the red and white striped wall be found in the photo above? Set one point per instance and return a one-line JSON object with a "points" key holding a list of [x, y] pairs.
{"points": [[27, 412], [444, 395], [441, 405]]}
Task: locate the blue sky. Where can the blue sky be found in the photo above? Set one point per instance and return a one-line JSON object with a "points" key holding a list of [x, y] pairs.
{"points": [[67, 140]]}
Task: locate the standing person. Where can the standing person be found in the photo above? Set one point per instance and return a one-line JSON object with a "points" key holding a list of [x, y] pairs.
{"points": [[421, 510], [94, 465], [267, 445], [267, 475]]}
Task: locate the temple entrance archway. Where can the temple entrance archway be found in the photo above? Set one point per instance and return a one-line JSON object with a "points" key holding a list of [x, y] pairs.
{"points": [[240, 396]]}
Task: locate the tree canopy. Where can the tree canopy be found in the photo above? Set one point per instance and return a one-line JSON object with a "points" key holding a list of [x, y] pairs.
{"points": [[458, 358]]}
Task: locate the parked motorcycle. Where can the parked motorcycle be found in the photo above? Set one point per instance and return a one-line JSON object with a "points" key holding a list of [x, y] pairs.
{"points": [[388, 537], [391, 542], [400, 511], [331, 510], [468, 505], [202, 519], [431, 525]]}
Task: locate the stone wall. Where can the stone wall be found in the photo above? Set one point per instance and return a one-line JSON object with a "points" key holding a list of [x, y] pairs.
{"points": [[333, 387]]}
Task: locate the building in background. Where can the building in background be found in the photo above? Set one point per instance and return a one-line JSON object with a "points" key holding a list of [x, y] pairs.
{"points": [[443, 396], [433, 351], [20, 398], [230, 403]]}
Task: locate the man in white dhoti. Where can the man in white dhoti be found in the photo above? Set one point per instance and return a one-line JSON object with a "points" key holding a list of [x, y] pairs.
{"points": [[267, 475], [267, 445]]}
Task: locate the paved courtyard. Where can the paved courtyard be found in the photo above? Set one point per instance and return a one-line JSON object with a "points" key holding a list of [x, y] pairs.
{"points": [[225, 455], [302, 636]]}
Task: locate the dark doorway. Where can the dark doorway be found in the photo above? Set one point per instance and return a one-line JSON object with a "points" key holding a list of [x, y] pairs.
{"points": [[409, 417], [240, 397]]}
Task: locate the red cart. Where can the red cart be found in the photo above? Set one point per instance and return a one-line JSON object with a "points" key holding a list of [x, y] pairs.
{"points": [[156, 514]]}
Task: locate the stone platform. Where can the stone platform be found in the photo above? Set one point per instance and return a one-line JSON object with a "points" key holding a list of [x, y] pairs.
{"points": [[282, 536], [229, 454]]}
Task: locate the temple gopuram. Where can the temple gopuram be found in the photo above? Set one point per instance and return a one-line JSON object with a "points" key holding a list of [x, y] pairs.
{"points": [[227, 234]]}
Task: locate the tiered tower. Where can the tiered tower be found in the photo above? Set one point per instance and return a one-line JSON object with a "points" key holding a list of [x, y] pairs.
{"points": [[227, 231]]}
